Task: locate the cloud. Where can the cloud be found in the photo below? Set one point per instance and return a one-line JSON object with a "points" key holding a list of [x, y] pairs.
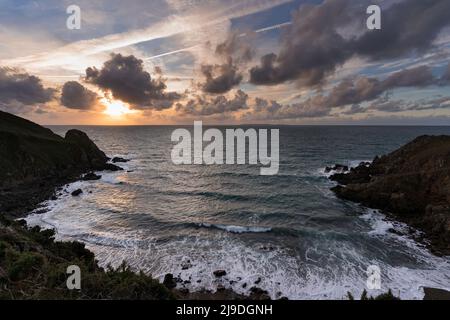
{"points": [[125, 78], [203, 105], [392, 106], [76, 96], [407, 26], [433, 104], [316, 44], [221, 78], [191, 19], [361, 89], [22, 88], [351, 91]]}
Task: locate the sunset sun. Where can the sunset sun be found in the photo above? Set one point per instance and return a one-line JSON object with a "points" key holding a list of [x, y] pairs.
{"points": [[116, 108]]}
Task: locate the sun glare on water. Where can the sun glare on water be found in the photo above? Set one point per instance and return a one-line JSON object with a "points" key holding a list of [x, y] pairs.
{"points": [[116, 108]]}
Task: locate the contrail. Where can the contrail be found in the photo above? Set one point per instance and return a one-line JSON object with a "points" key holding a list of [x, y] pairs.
{"points": [[276, 26], [171, 26], [172, 52]]}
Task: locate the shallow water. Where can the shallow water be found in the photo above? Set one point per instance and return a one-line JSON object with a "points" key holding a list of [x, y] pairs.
{"points": [[289, 229]]}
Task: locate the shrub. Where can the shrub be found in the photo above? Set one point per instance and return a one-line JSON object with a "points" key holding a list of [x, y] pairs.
{"points": [[26, 265]]}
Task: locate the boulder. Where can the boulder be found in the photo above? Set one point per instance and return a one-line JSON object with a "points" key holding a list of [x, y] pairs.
{"points": [[220, 273], [169, 281], [76, 193], [119, 159], [111, 167], [91, 176]]}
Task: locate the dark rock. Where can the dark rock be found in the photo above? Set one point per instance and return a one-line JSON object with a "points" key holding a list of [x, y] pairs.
{"points": [[77, 192], [111, 167], [220, 273], [91, 176], [35, 161], [360, 174], [169, 281], [258, 281], [220, 287], [337, 167], [244, 285], [256, 290], [259, 294], [412, 183], [436, 294], [86, 151], [184, 290], [119, 159]]}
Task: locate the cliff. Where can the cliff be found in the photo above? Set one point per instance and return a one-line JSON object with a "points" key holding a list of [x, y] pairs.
{"points": [[34, 160], [411, 183]]}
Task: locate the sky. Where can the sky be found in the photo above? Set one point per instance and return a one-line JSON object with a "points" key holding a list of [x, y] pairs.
{"points": [[305, 62]]}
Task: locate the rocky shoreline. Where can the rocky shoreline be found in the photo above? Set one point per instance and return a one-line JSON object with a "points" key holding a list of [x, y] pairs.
{"points": [[36, 163], [411, 185]]}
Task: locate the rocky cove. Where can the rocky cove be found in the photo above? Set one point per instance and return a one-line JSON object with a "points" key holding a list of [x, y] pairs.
{"points": [[29, 253]]}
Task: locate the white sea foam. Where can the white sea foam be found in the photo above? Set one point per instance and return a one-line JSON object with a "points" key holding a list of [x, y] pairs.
{"points": [[327, 269], [350, 163], [236, 229]]}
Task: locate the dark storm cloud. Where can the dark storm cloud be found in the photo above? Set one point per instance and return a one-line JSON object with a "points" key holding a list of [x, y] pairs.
{"points": [[126, 79], [272, 110], [76, 96], [408, 26], [221, 78], [314, 46], [22, 88], [311, 49], [353, 92], [415, 77], [361, 89], [234, 47], [207, 106]]}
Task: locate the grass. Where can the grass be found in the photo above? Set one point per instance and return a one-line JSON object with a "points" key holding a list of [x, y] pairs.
{"points": [[33, 266], [384, 296]]}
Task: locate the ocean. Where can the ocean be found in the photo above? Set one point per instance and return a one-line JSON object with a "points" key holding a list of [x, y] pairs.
{"points": [[287, 234]]}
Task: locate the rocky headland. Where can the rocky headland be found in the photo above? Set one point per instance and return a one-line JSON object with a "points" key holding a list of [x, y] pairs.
{"points": [[411, 184], [35, 161]]}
